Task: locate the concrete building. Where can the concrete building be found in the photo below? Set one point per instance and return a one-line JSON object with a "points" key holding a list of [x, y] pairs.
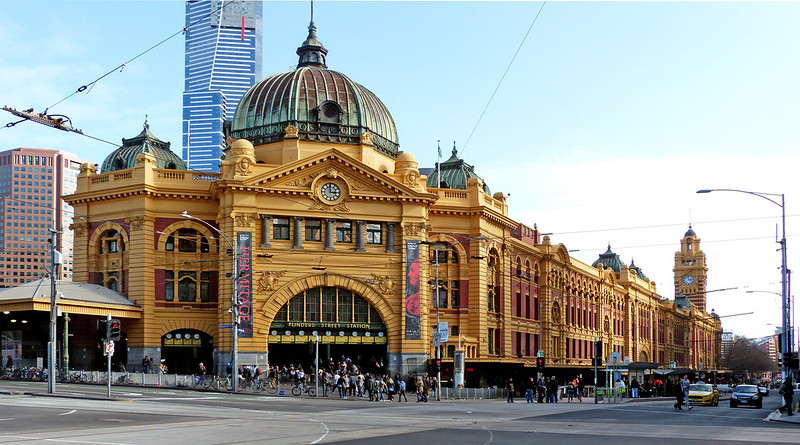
{"points": [[32, 181], [223, 60]]}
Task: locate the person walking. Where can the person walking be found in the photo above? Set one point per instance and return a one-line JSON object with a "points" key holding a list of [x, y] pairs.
{"points": [[787, 391], [401, 389], [678, 399], [635, 388], [529, 391], [570, 391], [510, 390], [541, 389], [579, 387], [684, 387]]}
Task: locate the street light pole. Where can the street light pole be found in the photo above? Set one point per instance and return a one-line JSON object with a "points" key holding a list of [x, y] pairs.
{"points": [[234, 300], [439, 246], [786, 329]]}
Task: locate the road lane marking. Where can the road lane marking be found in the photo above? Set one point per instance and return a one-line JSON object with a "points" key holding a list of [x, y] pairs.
{"points": [[491, 435], [326, 430], [68, 413]]}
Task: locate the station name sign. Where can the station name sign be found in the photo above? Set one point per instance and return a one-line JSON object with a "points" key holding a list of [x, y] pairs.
{"points": [[311, 324]]}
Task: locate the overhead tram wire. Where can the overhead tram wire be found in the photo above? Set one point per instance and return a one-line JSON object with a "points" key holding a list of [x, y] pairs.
{"points": [[530, 28], [657, 226], [119, 68]]}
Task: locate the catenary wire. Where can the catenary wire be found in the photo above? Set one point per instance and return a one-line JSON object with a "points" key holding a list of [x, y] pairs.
{"points": [[463, 148]]}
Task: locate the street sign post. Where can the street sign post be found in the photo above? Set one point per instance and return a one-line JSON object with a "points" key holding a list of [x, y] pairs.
{"points": [[444, 332]]}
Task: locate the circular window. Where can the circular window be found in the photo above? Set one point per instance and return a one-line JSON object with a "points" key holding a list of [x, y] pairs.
{"points": [[178, 336], [168, 336], [330, 110]]}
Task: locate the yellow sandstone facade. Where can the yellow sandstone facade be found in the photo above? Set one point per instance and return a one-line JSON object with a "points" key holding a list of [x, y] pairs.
{"points": [[324, 228]]}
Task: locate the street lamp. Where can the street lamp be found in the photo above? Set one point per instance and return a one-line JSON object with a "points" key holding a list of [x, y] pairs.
{"points": [[235, 299], [786, 344], [437, 246]]}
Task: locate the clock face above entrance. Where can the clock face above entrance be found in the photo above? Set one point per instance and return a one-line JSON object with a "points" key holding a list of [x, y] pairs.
{"points": [[330, 192]]}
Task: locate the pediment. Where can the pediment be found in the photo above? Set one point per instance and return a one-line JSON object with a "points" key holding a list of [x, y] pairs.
{"points": [[305, 176]]}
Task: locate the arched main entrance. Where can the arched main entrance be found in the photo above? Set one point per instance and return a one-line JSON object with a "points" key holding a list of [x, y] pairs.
{"points": [[182, 351], [344, 323]]}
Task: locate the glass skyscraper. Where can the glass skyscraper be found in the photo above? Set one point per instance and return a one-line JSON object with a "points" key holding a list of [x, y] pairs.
{"points": [[223, 60]]}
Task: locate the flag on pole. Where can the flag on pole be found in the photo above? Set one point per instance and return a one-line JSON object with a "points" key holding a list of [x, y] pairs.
{"points": [[440, 149]]}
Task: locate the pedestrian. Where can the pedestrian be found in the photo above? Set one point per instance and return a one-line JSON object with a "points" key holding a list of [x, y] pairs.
{"points": [[510, 390], [579, 388], [684, 387], [401, 389], [9, 362], [552, 390], [570, 391], [635, 388], [678, 400], [529, 391], [145, 364], [787, 391], [541, 390]]}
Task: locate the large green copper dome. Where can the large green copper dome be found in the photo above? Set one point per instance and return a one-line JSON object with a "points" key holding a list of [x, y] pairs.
{"points": [[610, 260], [145, 142], [324, 105], [454, 174]]}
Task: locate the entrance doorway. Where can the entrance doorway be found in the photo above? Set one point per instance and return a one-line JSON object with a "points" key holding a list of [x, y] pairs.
{"points": [[183, 350]]}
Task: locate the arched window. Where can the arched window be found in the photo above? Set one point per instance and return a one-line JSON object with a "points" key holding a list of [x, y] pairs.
{"points": [[110, 242], [187, 240]]}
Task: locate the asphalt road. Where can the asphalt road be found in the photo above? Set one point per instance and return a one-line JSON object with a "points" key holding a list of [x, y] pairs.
{"points": [[80, 414]]}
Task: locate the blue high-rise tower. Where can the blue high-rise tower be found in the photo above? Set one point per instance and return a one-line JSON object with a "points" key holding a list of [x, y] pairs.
{"points": [[223, 60]]}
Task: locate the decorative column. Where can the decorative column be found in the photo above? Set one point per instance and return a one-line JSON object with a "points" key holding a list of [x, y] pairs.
{"points": [[265, 231], [329, 234], [360, 236], [298, 233], [390, 237]]}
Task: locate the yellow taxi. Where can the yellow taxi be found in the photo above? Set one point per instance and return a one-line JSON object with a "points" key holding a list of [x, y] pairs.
{"points": [[703, 394]]}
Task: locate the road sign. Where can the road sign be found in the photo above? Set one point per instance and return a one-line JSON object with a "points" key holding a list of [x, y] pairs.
{"points": [[110, 348], [614, 358], [444, 332], [225, 326], [436, 340]]}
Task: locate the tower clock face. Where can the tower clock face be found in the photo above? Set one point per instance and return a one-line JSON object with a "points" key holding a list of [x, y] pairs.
{"points": [[688, 280], [330, 192]]}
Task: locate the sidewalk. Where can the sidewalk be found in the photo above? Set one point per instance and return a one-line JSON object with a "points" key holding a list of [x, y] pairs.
{"points": [[776, 416]]}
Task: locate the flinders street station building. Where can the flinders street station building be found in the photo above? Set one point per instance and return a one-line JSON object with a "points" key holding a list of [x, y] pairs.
{"points": [[332, 237]]}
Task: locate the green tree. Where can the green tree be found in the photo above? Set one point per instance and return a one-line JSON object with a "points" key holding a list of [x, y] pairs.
{"points": [[745, 355]]}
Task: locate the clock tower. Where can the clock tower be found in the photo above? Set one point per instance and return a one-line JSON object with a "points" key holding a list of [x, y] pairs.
{"points": [[691, 271]]}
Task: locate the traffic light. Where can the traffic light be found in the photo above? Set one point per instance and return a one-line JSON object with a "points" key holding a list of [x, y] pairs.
{"points": [[114, 330], [598, 348], [540, 363], [436, 365], [102, 329]]}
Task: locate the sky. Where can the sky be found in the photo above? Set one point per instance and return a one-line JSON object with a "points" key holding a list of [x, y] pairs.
{"points": [[610, 118]]}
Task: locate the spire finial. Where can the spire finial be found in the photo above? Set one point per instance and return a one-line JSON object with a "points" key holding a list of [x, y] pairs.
{"points": [[455, 152], [312, 53]]}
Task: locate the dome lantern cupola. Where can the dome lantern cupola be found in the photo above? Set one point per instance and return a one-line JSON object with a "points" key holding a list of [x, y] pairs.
{"points": [[609, 260], [311, 52], [455, 174]]}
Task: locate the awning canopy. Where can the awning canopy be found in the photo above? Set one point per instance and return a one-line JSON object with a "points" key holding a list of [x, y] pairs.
{"points": [[74, 298]]}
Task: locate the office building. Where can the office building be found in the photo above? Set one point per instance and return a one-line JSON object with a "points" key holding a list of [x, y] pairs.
{"points": [[222, 60]]}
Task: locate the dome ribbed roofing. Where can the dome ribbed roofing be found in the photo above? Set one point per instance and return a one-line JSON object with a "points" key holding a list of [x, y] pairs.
{"points": [[455, 174], [145, 142], [324, 105], [610, 260], [689, 232], [637, 269]]}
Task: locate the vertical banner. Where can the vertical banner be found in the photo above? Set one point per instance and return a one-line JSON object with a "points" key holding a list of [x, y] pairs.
{"points": [[244, 243], [412, 291]]}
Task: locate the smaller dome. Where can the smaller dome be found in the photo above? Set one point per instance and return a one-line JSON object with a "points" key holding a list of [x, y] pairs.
{"points": [[638, 270], [124, 157], [242, 144], [610, 260], [403, 156], [455, 174], [690, 232]]}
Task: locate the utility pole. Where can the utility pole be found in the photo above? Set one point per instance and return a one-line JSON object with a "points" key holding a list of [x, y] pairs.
{"points": [[55, 259]]}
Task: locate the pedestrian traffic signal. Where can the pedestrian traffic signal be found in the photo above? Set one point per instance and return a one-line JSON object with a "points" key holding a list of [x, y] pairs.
{"points": [[540, 363], [114, 330], [102, 329], [598, 348], [436, 365]]}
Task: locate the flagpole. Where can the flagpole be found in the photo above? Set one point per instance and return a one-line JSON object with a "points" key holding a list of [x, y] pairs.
{"points": [[439, 166]]}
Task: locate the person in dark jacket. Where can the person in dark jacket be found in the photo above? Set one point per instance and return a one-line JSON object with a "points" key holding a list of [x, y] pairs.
{"points": [[678, 400], [787, 391], [510, 390]]}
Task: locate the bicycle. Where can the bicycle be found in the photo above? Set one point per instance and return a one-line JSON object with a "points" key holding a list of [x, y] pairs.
{"points": [[300, 389], [201, 380]]}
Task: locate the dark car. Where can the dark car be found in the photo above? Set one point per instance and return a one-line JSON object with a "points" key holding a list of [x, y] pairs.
{"points": [[746, 395]]}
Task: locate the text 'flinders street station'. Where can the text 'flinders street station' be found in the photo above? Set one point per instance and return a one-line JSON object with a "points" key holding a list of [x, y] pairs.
{"points": [[327, 231]]}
